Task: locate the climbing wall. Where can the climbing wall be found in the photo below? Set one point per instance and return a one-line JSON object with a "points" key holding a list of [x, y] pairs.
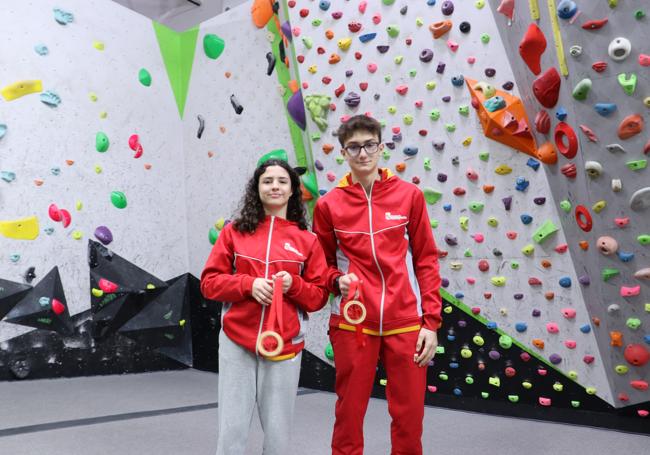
{"points": [[594, 105], [94, 153], [414, 66], [219, 163]]}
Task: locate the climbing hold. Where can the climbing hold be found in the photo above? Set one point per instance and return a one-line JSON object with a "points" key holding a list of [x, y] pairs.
{"points": [[605, 109], [546, 88], [545, 231], [542, 122], [593, 169], [570, 149], [145, 77], [627, 83], [566, 9], [575, 51], [581, 89], [447, 8], [439, 29], [630, 126], [636, 354], [101, 142], [20, 88], [213, 46], [531, 48], [295, 108], [589, 133], [640, 200], [594, 24], [21, 229], [619, 48], [63, 17], [50, 98], [393, 31], [118, 199]]}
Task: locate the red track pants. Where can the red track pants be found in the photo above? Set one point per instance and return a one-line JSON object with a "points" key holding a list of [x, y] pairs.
{"points": [[355, 374]]}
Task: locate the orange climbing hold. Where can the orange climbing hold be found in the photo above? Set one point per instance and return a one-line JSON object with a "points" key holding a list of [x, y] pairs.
{"points": [[327, 148], [538, 343], [262, 12], [400, 167], [630, 126], [616, 339], [439, 29]]}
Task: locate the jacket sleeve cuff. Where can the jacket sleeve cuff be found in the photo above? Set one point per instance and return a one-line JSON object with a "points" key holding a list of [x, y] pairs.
{"points": [[431, 322], [296, 286], [247, 285]]}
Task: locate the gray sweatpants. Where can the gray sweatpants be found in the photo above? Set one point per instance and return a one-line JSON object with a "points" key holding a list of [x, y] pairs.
{"points": [[246, 380]]}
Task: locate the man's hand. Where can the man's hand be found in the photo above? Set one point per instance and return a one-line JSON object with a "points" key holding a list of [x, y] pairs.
{"points": [[287, 280], [344, 285], [262, 291], [426, 346]]}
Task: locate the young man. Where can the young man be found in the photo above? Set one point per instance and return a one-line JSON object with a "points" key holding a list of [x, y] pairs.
{"points": [[377, 238]]}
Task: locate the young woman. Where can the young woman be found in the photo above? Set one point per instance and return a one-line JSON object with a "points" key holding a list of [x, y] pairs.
{"points": [[269, 271]]}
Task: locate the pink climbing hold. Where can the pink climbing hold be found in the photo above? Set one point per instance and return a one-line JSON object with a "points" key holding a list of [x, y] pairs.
{"points": [[630, 291], [362, 6], [452, 45], [419, 104], [471, 174], [331, 176], [507, 8], [570, 344], [552, 327], [402, 89], [478, 237], [621, 222], [589, 133], [107, 286], [511, 235], [561, 248], [376, 18], [470, 280], [372, 67], [57, 306], [544, 401], [588, 359], [134, 140], [54, 213], [471, 60], [644, 60], [569, 313]]}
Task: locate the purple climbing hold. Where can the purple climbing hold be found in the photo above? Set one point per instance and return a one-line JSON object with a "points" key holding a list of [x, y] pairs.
{"points": [[426, 55], [390, 145], [446, 98], [494, 355], [462, 323], [507, 202], [383, 48], [444, 282], [286, 30], [104, 235], [441, 68], [518, 296], [352, 99], [536, 313], [508, 85], [439, 146], [442, 178], [555, 359], [451, 240], [490, 72], [584, 280], [447, 8], [539, 200], [349, 73], [296, 109], [319, 165]]}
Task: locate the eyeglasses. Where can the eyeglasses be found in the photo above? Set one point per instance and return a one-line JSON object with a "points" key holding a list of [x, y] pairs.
{"points": [[355, 149]]}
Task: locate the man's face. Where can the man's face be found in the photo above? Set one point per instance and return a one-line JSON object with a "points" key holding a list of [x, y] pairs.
{"points": [[362, 151]]}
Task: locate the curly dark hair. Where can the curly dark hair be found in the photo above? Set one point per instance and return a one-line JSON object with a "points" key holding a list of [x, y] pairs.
{"points": [[251, 211]]}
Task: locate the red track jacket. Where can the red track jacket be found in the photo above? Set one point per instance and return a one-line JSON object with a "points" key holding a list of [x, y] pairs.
{"points": [[386, 240], [238, 258]]}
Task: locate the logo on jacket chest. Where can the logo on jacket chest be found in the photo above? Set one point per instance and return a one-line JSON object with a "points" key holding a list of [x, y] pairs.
{"points": [[289, 247], [395, 216]]}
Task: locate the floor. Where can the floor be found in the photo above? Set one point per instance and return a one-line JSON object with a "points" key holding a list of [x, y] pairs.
{"points": [[175, 413]]}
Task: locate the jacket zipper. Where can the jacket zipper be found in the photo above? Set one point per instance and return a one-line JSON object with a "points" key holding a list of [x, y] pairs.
{"points": [[374, 255], [266, 276]]}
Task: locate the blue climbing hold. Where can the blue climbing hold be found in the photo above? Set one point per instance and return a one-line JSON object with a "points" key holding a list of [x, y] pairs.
{"points": [[561, 114], [397, 137], [491, 325], [458, 392], [532, 162], [585, 328], [451, 337], [494, 104], [526, 218], [521, 327], [431, 2], [410, 150], [324, 5], [322, 192], [521, 184], [367, 37], [447, 207], [625, 257], [565, 282], [605, 109], [453, 365], [567, 9], [458, 81], [647, 339], [459, 295]]}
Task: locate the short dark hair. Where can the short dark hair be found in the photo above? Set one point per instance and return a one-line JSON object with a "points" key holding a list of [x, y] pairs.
{"points": [[358, 123]]}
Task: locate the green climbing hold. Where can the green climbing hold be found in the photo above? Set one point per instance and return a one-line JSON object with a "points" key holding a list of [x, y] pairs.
{"points": [[468, 253], [440, 350], [443, 376], [340, 160], [575, 403], [387, 78], [565, 205], [431, 196], [514, 265], [485, 394], [393, 31], [316, 22], [545, 231], [643, 239], [608, 273], [329, 351], [318, 106], [308, 42], [637, 165], [463, 110], [505, 341], [388, 2], [633, 323], [639, 14], [450, 127], [434, 114], [277, 154], [476, 207], [413, 72], [434, 224], [310, 184], [118, 199], [628, 83], [213, 46], [513, 398], [581, 89], [469, 380], [101, 142], [427, 164], [145, 77], [213, 235], [386, 154], [485, 38], [484, 156], [315, 137]]}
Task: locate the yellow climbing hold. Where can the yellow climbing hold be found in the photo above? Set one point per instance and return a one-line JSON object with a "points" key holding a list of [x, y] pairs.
{"points": [[96, 292], [312, 69], [98, 45], [22, 229], [77, 235], [219, 224], [151, 286], [92, 96], [79, 205], [103, 114], [98, 169], [503, 169], [467, 141], [498, 281], [344, 43], [599, 206], [21, 88]]}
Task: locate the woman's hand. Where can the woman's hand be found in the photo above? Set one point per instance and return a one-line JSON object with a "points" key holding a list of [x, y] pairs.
{"points": [[287, 280], [262, 291]]}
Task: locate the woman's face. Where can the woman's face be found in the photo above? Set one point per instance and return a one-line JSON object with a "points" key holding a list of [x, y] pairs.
{"points": [[275, 188]]}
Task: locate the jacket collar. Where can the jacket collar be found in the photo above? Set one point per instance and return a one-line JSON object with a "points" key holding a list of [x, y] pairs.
{"points": [[346, 181]]}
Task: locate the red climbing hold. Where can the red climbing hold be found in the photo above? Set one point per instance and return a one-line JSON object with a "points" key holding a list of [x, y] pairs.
{"points": [[599, 67], [543, 122], [630, 126], [546, 87], [595, 24], [637, 355], [531, 48]]}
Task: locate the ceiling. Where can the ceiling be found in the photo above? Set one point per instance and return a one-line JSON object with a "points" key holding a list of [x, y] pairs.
{"points": [[180, 14]]}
